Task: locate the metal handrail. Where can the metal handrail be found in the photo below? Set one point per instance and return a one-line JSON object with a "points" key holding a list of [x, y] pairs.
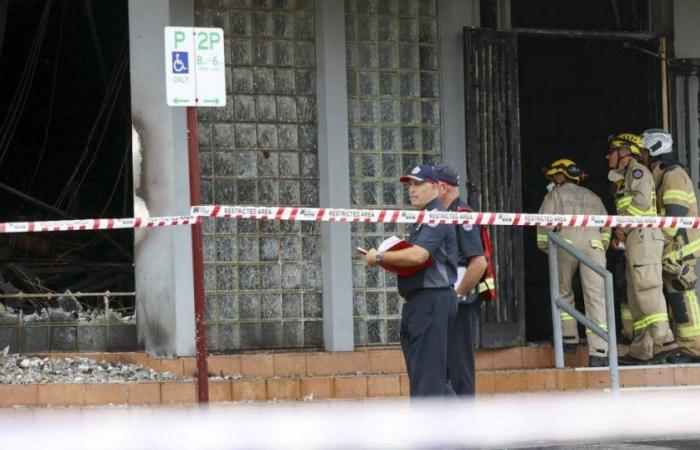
{"points": [[609, 336]]}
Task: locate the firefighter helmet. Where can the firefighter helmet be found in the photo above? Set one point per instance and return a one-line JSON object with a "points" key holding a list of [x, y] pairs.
{"points": [[566, 167], [658, 142], [630, 141]]}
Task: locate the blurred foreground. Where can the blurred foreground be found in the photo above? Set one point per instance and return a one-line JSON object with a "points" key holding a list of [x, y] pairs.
{"points": [[652, 419]]}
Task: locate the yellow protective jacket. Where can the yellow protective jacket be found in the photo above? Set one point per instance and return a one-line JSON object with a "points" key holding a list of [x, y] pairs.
{"points": [[570, 198], [676, 197], [638, 195]]}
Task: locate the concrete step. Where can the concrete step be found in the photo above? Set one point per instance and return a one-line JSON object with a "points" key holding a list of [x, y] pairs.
{"points": [[185, 392], [365, 373], [359, 386], [585, 378], [367, 360]]}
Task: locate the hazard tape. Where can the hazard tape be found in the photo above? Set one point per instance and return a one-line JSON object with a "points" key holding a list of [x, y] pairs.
{"points": [[439, 217], [353, 215], [95, 224]]}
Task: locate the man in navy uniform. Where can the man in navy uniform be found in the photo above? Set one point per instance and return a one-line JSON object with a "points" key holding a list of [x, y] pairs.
{"points": [[471, 267], [430, 299]]}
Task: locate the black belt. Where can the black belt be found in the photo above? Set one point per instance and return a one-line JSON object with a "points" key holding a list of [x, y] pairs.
{"points": [[415, 292]]}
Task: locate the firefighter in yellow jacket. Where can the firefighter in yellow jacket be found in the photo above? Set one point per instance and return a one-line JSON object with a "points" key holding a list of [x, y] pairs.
{"points": [[567, 197], [676, 197], [653, 340]]}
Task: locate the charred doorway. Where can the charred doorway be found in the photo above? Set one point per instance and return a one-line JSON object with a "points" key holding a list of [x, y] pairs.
{"points": [[65, 153], [574, 92]]}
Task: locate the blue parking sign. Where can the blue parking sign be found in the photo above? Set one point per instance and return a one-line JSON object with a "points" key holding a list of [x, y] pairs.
{"points": [[180, 63]]}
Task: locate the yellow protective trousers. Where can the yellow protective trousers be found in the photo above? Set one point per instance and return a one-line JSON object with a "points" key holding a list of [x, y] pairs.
{"points": [[652, 332], [627, 321], [685, 312], [593, 297]]}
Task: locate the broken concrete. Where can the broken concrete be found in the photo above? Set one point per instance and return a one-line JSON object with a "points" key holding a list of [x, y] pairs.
{"points": [[18, 369]]}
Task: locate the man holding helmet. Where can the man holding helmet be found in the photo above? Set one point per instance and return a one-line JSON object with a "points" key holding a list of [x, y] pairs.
{"points": [[653, 340], [568, 197], [676, 195]]}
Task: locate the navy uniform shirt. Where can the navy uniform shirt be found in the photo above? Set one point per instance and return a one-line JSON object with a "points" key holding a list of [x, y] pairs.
{"points": [[441, 242], [469, 242]]}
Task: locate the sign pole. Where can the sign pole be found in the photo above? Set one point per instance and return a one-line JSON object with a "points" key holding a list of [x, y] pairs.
{"points": [[195, 75], [197, 260]]}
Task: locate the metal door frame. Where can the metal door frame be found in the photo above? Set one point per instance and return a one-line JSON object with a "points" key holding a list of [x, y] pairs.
{"points": [[502, 323]]}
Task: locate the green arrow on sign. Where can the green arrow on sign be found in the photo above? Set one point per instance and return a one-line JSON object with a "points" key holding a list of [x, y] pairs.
{"points": [[180, 100], [212, 100]]}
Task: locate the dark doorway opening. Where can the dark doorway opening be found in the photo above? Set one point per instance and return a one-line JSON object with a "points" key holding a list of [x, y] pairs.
{"points": [[573, 94], [65, 152], [600, 15]]}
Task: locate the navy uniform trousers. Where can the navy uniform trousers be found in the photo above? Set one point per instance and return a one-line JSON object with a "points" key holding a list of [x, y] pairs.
{"points": [[424, 329], [460, 347]]}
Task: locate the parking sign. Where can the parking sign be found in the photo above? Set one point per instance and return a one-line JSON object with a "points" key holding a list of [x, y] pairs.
{"points": [[195, 70]]}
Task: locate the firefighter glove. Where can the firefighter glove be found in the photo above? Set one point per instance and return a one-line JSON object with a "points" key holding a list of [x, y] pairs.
{"points": [[686, 277], [672, 265]]}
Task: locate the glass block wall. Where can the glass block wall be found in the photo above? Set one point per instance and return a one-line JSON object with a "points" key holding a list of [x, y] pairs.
{"points": [[394, 114], [262, 279]]}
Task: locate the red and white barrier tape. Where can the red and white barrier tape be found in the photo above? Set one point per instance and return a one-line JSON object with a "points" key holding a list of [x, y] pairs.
{"points": [[443, 217], [353, 215], [95, 224]]}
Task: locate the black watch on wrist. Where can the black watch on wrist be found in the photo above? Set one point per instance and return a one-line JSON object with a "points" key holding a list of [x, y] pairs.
{"points": [[379, 257]]}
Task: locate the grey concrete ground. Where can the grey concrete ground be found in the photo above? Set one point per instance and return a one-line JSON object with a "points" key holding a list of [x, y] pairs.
{"points": [[661, 443]]}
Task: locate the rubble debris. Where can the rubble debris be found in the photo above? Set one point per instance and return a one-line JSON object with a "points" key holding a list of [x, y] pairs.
{"points": [[54, 292], [69, 303], [222, 377], [98, 316], [41, 316], [10, 316], [20, 369], [60, 315]]}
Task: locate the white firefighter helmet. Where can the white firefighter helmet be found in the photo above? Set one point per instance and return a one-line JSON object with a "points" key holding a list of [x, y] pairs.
{"points": [[657, 141]]}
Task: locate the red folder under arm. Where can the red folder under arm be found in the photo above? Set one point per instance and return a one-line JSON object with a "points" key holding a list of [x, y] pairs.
{"points": [[393, 244]]}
